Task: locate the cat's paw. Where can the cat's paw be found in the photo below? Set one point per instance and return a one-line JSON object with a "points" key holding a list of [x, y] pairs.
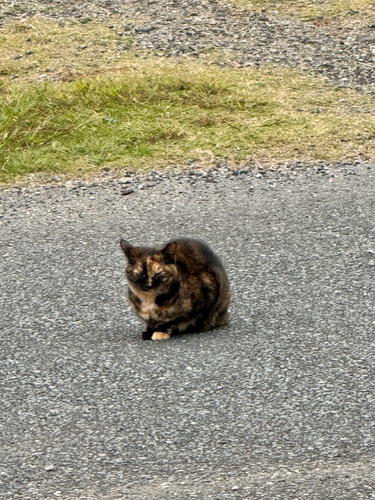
{"points": [[160, 336]]}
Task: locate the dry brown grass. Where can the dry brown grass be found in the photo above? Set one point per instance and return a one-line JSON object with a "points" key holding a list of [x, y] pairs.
{"points": [[40, 49], [345, 11]]}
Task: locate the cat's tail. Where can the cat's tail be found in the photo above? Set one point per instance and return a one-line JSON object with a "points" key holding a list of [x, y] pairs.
{"points": [[219, 311]]}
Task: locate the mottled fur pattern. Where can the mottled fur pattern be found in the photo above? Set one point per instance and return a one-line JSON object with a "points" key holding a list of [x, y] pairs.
{"points": [[181, 287]]}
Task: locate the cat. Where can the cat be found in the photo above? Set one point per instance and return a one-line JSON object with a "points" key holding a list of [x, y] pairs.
{"points": [[182, 287]]}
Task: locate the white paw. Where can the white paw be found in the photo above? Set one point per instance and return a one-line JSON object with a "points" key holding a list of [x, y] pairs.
{"points": [[160, 336]]}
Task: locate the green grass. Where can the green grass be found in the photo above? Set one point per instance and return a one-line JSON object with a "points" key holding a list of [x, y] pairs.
{"points": [[158, 112]]}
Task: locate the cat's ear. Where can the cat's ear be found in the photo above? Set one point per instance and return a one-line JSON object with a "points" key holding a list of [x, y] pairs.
{"points": [[126, 248], [169, 251]]}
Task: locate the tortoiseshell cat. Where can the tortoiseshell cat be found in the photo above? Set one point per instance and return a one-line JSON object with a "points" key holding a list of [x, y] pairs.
{"points": [[182, 287]]}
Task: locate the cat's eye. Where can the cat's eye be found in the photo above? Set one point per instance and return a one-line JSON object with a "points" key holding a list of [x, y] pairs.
{"points": [[138, 275], [160, 274]]}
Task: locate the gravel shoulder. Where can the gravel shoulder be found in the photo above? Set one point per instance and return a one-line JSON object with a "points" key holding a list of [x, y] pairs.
{"points": [[345, 54], [279, 404]]}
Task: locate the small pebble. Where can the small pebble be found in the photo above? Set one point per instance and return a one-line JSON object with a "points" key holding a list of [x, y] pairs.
{"points": [[125, 192]]}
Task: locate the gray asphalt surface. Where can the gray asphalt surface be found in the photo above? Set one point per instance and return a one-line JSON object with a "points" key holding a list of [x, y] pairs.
{"points": [[278, 405]]}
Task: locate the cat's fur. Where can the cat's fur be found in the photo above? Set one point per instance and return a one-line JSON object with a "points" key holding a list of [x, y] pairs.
{"points": [[181, 287]]}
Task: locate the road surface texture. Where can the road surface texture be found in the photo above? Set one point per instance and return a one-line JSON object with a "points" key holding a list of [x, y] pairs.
{"points": [[278, 405]]}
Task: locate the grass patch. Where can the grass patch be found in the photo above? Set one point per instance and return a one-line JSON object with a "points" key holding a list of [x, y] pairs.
{"points": [[159, 111], [40, 49], [314, 9]]}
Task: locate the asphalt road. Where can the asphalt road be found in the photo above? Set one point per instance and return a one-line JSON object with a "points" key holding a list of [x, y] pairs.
{"points": [[278, 405]]}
